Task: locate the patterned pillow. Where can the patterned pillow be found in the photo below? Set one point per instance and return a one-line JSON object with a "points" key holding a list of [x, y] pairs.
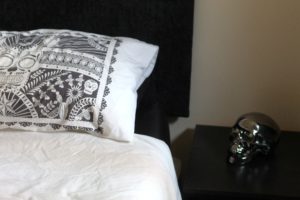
{"points": [[55, 80]]}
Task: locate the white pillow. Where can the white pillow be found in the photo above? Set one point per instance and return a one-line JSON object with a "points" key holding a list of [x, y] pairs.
{"points": [[55, 80]]}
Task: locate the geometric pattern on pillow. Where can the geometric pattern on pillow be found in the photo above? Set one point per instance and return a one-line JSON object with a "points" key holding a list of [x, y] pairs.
{"points": [[55, 80]]}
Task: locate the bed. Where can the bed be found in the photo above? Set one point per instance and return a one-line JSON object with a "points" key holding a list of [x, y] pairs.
{"points": [[86, 88]]}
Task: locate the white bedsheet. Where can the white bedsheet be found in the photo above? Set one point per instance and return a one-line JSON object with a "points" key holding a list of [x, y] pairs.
{"points": [[61, 166]]}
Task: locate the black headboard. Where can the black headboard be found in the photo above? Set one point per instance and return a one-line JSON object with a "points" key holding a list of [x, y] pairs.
{"points": [[167, 23]]}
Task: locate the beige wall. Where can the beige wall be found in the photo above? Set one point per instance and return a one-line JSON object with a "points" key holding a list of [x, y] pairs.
{"points": [[246, 57]]}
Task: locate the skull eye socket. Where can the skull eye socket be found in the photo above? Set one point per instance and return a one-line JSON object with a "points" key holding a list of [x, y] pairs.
{"points": [[241, 135], [5, 61], [234, 134], [246, 136], [26, 63]]}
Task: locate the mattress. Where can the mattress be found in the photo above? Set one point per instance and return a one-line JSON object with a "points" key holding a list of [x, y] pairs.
{"points": [[69, 165]]}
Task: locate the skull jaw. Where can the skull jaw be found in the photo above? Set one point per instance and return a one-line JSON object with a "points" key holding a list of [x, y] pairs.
{"points": [[242, 154], [239, 154], [14, 79], [238, 159]]}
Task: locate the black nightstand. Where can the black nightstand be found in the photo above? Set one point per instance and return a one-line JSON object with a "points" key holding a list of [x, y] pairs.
{"points": [[209, 176]]}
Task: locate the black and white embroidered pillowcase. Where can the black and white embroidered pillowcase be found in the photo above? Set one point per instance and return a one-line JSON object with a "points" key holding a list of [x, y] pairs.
{"points": [[54, 80]]}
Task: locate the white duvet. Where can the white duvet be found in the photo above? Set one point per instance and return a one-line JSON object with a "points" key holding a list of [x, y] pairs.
{"points": [[65, 166]]}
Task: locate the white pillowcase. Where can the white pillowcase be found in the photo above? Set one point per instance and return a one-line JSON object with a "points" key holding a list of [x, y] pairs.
{"points": [[55, 80], [135, 62]]}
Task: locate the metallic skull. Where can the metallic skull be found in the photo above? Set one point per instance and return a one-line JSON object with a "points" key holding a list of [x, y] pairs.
{"points": [[252, 134]]}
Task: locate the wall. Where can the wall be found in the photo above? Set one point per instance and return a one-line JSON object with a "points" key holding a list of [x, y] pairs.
{"points": [[246, 57]]}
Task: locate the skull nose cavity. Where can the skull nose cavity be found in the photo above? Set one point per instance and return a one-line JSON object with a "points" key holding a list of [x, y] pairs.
{"points": [[12, 69]]}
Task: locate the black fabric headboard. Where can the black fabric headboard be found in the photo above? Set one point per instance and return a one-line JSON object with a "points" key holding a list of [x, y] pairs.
{"points": [[167, 23]]}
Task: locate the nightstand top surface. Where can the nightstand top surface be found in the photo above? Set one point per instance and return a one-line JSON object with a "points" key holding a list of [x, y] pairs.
{"points": [[208, 172]]}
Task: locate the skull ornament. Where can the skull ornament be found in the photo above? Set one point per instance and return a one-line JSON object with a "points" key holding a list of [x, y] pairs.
{"points": [[16, 68], [90, 86], [19, 57], [252, 134]]}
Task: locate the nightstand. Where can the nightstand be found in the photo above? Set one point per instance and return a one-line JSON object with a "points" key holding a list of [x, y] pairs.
{"points": [[209, 176]]}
